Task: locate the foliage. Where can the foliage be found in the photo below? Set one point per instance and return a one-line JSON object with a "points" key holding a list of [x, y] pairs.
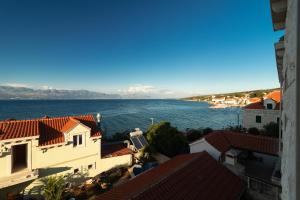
{"points": [[253, 131], [207, 130], [271, 129], [54, 187], [237, 128], [253, 93], [147, 153], [195, 134], [164, 138], [258, 94]]}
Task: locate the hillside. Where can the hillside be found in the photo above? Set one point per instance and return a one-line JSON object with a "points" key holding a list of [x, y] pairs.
{"points": [[251, 94]]}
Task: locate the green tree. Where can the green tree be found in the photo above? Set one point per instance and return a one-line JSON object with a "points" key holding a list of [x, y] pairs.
{"points": [[271, 129], [193, 134], [164, 138], [253, 131], [53, 187]]}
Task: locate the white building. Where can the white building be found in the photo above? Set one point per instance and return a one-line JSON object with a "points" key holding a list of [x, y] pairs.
{"points": [[219, 100], [263, 112], [33, 149]]}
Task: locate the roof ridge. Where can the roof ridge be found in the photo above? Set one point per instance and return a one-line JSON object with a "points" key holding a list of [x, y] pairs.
{"points": [[44, 119]]}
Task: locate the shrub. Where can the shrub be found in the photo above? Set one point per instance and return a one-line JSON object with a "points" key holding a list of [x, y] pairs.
{"points": [[271, 129], [53, 188], [207, 130], [193, 134], [253, 131], [167, 139]]}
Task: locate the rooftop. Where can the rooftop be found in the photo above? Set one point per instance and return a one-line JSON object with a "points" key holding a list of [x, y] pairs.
{"points": [[49, 130], [259, 104], [223, 141], [115, 149], [190, 176]]}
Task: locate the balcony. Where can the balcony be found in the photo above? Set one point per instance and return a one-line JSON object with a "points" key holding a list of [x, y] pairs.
{"points": [[18, 177]]}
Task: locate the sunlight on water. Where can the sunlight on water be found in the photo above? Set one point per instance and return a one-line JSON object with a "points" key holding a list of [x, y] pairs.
{"points": [[121, 115]]}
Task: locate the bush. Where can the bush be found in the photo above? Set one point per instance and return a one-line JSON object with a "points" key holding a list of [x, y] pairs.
{"points": [[207, 130], [53, 188], [193, 134], [271, 130], [164, 138], [253, 131], [237, 128]]}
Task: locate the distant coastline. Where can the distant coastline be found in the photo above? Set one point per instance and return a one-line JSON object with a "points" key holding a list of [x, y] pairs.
{"points": [[235, 99]]}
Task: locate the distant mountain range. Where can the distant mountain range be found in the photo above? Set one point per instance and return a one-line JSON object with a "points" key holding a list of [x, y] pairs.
{"points": [[9, 92]]}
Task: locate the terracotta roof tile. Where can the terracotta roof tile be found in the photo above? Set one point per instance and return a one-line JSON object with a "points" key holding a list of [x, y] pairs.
{"points": [[218, 141], [49, 130], [112, 150], [223, 141], [260, 106], [275, 95], [191, 177]]}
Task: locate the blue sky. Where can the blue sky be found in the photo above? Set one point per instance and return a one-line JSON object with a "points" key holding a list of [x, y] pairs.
{"points": [[166, 48]]}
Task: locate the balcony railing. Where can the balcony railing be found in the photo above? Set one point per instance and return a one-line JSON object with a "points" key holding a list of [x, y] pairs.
{"points": [[19, 177]]}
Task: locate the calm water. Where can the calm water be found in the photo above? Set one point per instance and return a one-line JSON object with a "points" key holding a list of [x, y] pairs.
{"points": [[121, 115]]}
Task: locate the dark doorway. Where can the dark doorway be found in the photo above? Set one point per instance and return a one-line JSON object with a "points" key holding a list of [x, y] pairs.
{"points": [[19, 157]]}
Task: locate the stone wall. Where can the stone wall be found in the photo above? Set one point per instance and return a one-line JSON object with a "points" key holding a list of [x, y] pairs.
{"points": [[267, 116], [288, 116]]}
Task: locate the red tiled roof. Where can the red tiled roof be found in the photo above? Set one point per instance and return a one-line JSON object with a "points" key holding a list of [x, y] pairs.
{"points": [[112, 150], [255, 99], [191, 177], [218, 141], [275, 95], [69, 125], [259, 103], [223, 141], [260, 106], [49, 130], [18, 129]]}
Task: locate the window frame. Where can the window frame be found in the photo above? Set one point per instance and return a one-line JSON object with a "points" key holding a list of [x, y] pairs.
{"points": [[258, 119], [269, 108], [77, 140]]}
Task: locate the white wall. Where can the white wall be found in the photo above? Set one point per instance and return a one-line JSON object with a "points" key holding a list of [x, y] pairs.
{"points": [[109, 163], [203, 145], [267, 116]]}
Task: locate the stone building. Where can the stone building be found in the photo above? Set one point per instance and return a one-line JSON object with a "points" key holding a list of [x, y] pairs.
{"points": [[285, 16], [260, 113]]}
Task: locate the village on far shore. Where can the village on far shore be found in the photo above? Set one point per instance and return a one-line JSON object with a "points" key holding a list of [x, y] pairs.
{"points": [[234, 99]]}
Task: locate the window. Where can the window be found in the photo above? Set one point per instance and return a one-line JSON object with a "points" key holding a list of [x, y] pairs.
{"points": [[269, 106], [76, 171], [90, 167], [278, 120], [258, 119], [77, 140]]}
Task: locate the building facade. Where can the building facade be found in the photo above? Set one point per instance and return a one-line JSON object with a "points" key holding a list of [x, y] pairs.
{"points": [[34, 149], [285, 16], [263, 112]]}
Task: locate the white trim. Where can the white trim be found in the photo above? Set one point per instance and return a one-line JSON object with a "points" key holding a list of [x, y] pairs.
{"points": [[50, 146], [16, 140]]}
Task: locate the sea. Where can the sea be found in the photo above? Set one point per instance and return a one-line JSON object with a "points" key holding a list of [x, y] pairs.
{"points": [[123, 115]]}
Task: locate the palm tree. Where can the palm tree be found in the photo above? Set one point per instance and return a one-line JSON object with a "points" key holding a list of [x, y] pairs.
{"points": [[54, 187]]}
